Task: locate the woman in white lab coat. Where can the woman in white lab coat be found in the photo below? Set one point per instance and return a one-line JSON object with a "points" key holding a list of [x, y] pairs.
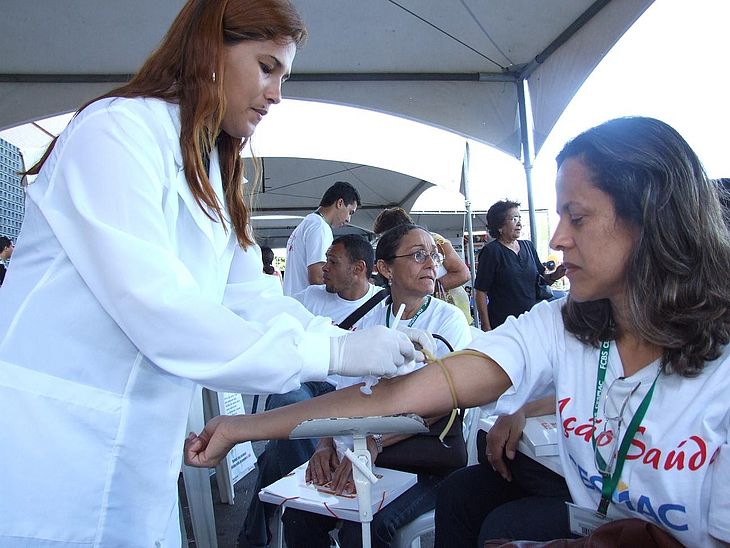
{"points": [[136, 277]]}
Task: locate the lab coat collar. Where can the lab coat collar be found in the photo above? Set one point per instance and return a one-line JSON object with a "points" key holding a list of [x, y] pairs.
{"points": [[219, 234]]}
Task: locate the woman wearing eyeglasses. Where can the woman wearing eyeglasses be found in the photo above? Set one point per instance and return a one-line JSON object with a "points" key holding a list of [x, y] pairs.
{"points": [[507, 268], [407, 256], [452, 273], [638, 352]]}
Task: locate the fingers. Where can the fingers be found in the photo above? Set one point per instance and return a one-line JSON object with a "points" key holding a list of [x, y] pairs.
{"points": [[405, 347], [194, 452], [496, 441], [406, 368], [510, 446], [420, 339], [343, 482], [192, 448], [319, 469], [317, 473], [502, 441], [210, 447]]}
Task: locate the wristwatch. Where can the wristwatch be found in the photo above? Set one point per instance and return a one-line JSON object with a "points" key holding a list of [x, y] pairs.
{"points": [[378, 439]]}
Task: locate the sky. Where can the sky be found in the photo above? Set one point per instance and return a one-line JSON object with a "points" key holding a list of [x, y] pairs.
{"points": [[670, 65]]}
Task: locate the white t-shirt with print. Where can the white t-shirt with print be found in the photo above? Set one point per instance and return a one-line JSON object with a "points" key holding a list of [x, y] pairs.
{"points": [[439, 317], [321, 302], [306, 246], [677, 472]]}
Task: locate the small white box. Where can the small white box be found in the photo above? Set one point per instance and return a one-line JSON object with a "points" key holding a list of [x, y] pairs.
{"points": [[541, 435]]}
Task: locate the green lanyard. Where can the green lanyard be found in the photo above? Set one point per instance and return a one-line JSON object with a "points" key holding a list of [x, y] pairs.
{"points": [[611, 481], [420, 311]]}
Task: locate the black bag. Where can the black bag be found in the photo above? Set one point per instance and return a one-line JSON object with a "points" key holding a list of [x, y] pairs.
{"points": [[542, 289], [425, 454]]}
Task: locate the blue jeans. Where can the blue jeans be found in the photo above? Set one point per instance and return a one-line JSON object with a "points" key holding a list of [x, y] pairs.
{"points": [[476, 504], [278, 459], [309, 530]]}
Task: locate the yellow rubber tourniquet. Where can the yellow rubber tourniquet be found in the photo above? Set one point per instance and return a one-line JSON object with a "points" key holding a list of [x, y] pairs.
{"points": [[455, 402]]}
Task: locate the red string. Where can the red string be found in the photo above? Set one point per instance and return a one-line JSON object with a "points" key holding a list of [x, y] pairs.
{"points": [[330, 510], [382, 502], [284, 500]]}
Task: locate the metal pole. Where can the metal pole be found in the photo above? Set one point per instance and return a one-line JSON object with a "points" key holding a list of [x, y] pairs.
{"points": [[470, 241], [526, 140]]}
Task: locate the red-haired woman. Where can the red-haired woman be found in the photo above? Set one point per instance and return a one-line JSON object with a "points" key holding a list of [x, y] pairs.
{"points": [[136, 278]]}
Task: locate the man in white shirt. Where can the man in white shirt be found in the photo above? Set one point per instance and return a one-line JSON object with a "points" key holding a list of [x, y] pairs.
{"points": [[308, 244], [349, 262]]}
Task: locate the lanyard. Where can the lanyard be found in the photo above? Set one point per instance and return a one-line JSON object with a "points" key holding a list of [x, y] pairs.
{"points": [[420, 311], [611, 481]]}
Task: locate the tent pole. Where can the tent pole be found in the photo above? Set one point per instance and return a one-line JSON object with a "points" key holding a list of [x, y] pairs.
{"points": [[523, 93], [470, 241]]}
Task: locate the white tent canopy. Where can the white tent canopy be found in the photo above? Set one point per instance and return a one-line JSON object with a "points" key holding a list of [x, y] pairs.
{"points": [[499, 73], [454, 64]]}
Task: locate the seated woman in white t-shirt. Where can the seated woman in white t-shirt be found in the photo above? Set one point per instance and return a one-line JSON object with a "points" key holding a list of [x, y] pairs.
{"points": [[407, 257], [638, 352]]}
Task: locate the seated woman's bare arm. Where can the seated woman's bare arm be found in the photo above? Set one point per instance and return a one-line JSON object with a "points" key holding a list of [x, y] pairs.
{"points": [[477, 380], [457, 273]]}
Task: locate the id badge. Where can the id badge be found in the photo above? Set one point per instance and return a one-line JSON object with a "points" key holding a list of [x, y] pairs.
{"points": [[583, 521]]}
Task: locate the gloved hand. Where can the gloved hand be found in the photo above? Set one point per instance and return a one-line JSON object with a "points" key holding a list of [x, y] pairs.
{"points": [[375, 351], [421, 339]]}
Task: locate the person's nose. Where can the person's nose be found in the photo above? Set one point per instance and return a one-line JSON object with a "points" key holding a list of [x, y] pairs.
{"points": [[561, 238], [273, 92], [431, 262]]}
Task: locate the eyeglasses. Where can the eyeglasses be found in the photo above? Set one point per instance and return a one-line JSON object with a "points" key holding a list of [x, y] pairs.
{"points": [[421, 255], [515, 218], [608, 441]]}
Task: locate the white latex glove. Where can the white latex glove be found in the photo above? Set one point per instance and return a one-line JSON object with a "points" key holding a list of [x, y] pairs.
{"points": [[375, 351], [420, 339]]}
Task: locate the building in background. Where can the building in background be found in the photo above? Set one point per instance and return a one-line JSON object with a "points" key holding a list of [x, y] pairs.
{"points": [[12, 198]]}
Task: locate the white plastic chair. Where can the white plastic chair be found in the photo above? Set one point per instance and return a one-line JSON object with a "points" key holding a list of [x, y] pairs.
{"points": [[409, 536]]}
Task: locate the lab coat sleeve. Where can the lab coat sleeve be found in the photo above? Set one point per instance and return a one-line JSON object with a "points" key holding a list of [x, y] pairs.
{"points": [[103, 200]]}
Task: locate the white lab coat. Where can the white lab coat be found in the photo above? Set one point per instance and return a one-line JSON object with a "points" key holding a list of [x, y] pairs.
{"points": [[123, 295]]}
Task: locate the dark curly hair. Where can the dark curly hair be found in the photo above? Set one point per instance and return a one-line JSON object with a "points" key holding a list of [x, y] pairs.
{"points": [[388, 218], [497, 215], [677, 275]]}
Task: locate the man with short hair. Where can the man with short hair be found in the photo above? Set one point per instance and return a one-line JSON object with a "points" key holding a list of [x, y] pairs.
{"points": [[6, 250], [349, 262], [307, 245]]}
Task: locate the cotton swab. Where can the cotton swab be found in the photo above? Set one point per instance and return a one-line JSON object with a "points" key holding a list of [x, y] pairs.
{"points": [[372, 380]]}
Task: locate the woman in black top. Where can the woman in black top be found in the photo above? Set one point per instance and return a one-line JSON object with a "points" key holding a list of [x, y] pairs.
{"points": [[508, 268]]}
